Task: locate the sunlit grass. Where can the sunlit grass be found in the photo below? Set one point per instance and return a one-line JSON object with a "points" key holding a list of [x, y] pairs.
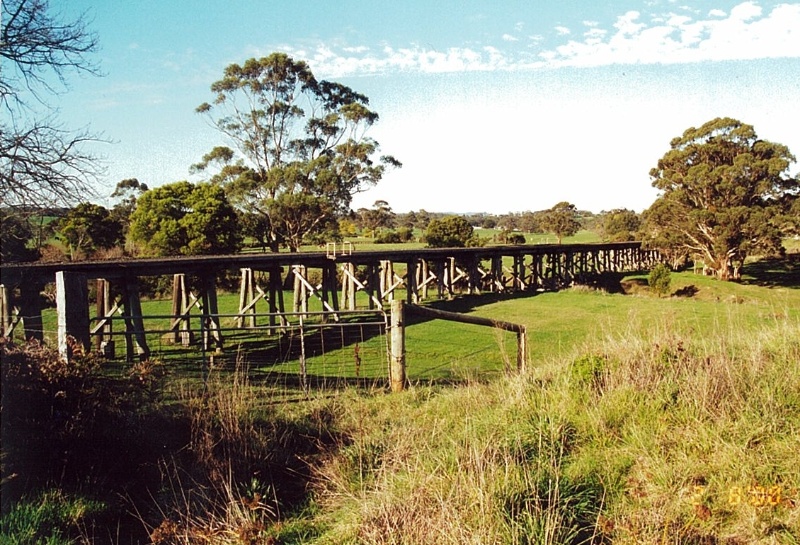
{"points": [[640, 419]]}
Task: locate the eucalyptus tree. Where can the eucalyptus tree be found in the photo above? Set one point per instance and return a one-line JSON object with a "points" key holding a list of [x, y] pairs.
{"points": [[301, 149], [126, 192], [561, 220], [725, 194], [378, 217]]}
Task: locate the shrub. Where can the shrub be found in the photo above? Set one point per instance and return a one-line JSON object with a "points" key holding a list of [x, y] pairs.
{"points": [[659, 279], [588, 369], [449, 232], [402, 235]]}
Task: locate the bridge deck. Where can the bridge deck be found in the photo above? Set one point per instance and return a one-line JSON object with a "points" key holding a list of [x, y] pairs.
{"points": [[14, 273], [443, 271]]}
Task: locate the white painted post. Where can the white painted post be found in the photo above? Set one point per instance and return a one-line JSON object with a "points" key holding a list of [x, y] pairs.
{"points": [[72, 305], [397, 366], [5, 313]]}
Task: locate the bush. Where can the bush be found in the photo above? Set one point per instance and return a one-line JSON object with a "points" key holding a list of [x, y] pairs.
{"points": [[659, 279], [402, 235], [588, 369], [449, 232]]}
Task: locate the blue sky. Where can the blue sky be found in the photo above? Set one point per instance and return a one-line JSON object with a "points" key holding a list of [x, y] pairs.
{"points": [[491, 106]]}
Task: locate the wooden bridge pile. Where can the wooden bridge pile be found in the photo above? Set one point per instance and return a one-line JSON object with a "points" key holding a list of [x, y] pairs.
{"points": [[334, 277]]}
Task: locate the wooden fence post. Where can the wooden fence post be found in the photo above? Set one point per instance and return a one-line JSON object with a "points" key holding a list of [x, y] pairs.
{"points": [[397, 365], [522, 349], [212, 336], [247, 295], [5, 313], [72, 305], [104, 340]]}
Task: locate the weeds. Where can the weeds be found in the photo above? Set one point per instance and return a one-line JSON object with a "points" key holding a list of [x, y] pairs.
{"points": [[659, 433], [50, 518], [219, 491]]}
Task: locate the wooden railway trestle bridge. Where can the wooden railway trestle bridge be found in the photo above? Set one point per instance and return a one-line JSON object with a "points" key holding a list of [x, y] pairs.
{"points": [[341, 273]]}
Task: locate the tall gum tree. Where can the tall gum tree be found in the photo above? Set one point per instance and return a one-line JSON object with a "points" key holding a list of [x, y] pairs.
{"points": [[724, 194], [301, 146]]}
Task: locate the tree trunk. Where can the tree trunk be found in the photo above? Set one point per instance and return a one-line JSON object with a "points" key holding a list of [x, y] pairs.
{"points": [[724, 271]]}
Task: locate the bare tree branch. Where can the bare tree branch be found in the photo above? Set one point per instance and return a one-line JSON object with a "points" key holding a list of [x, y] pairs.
{"points": [[41, 162], [38, 45], [45, 165]]}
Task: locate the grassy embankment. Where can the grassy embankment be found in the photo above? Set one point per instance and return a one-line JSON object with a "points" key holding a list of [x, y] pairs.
{"points": [[639, 420]]}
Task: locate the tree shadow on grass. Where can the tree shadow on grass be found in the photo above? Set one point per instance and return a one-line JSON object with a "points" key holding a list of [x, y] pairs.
{"points": [[773, 272], [687, 291]]}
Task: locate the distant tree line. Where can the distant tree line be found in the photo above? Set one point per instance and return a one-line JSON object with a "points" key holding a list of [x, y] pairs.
{"points": [[296, 150]]}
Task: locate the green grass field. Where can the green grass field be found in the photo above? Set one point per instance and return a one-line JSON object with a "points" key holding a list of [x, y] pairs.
{"points": [[639, 419], [557, 324]]}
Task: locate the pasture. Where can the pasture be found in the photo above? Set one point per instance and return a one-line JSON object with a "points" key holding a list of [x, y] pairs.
{"points": [[557, 323], [638, 417]]}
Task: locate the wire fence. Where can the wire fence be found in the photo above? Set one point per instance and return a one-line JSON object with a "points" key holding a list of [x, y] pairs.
{"points": [[440, 351], [290, 351], [295, 353]]}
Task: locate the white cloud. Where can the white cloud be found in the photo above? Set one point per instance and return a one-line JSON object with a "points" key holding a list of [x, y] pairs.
{"points": [[595, 35], [626, 24], [678, 20], [358, 49], [746, 32], [746, 11], [327, 62]]}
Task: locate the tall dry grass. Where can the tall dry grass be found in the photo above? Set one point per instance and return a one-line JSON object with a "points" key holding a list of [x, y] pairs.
{"points": [[216, 492], [640, 437], [708, 429]]}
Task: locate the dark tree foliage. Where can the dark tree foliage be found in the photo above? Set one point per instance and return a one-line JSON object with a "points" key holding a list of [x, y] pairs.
{"points": [[15, 238], [725, 194], [89, 227], [42, 163], [449, 232]]}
